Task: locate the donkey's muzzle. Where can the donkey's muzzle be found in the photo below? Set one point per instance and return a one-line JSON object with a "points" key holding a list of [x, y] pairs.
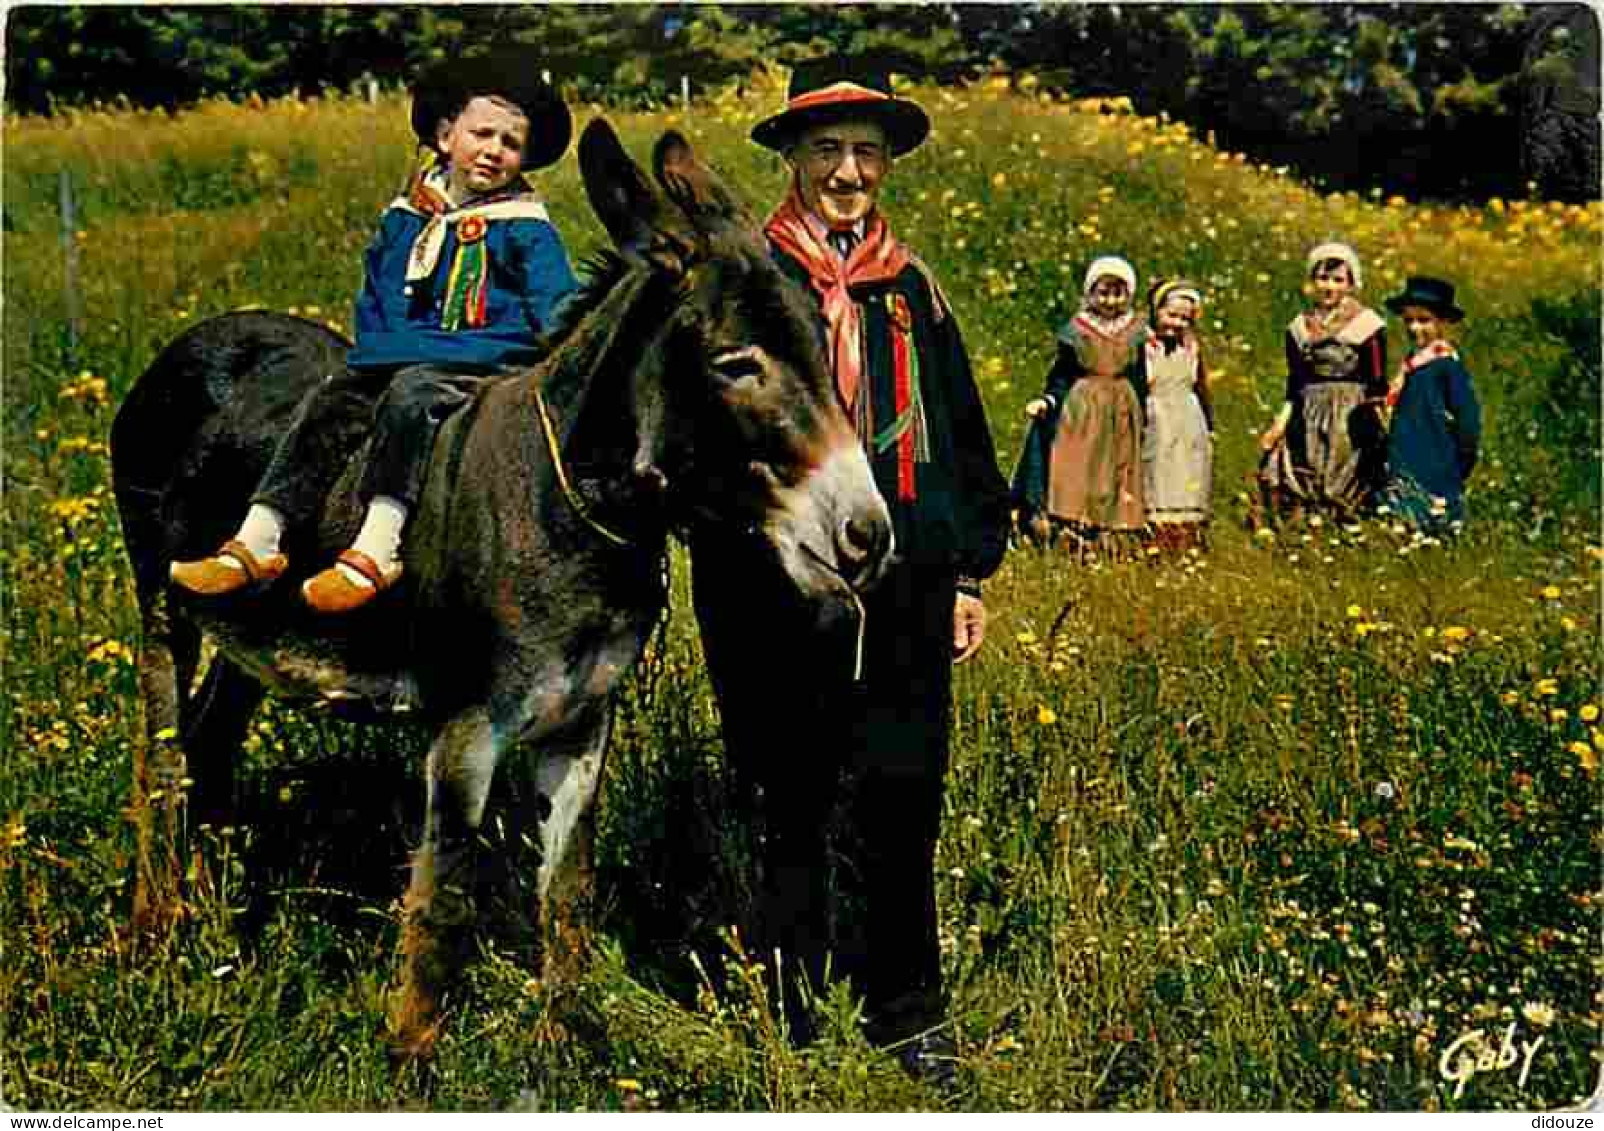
{"points": [[862, 544]]}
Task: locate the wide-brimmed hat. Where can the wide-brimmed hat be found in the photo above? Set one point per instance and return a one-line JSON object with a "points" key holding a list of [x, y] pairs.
{"points": [[444, 88], [1436, 295], [837, 87]]}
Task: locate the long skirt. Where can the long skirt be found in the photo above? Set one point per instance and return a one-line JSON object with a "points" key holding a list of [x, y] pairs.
{"points": [[1095, 478], [1330, 453], [1177, 459]]}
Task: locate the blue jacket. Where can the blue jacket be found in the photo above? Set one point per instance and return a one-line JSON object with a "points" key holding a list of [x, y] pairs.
{"points": [[1433, 443], [399, 322]]}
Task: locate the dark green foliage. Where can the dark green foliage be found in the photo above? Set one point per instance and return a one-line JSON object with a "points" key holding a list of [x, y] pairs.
{"points": [[1443, 100], [1568, 414]]}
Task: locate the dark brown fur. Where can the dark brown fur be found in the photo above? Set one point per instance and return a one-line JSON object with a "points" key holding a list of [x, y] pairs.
{"points": [[689, 387]]}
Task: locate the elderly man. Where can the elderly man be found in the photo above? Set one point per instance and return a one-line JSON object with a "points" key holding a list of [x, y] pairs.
{"points": [[852, 719]]}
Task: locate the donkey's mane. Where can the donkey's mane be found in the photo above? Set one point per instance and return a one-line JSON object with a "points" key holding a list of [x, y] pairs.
{"points": [[602, 271], [620, 296]]}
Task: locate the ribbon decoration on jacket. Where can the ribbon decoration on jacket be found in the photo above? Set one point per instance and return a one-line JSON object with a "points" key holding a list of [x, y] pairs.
{"points": [[879, 257], [464, 301]]}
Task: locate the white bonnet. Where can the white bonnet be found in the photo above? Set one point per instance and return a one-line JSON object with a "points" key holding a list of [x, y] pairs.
{"points": [[1334, 250], [1108, 265]]}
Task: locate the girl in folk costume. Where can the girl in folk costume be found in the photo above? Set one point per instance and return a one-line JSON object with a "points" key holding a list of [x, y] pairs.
{"points": [[1178, 440], [1326, 448], [461, 280], [1436, 420], [1092, 410]]}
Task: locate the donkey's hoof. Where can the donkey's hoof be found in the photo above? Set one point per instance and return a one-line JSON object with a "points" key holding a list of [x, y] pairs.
{"points": [[413, 1046], [412, 1024]]}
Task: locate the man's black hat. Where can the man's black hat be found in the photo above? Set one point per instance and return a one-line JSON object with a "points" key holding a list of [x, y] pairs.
{"points": [[1436, 295], [444, 88], [837, 87]]}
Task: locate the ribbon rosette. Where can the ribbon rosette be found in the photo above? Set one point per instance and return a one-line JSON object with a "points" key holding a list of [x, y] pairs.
{"points": [[471, 229]]}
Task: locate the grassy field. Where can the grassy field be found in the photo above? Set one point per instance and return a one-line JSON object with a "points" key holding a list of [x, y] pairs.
{"points": [[1276, 827]]}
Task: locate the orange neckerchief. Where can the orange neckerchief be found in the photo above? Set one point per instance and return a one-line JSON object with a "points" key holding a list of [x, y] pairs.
{"points": [[879, 256], [1319, 329]]}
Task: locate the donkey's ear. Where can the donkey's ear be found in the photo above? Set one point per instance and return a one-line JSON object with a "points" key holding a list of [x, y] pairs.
{"points": [[692, 185], [626, 203]]}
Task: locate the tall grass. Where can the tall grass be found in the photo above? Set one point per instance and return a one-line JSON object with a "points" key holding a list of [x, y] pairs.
{"points": [[1269, 827]]}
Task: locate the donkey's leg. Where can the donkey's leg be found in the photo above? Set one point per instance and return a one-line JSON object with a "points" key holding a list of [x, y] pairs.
{"points": [[214, 726], [439, 903], [567, 777], [169, 650]]}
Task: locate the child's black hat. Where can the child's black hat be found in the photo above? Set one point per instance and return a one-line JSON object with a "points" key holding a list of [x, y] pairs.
{"points": [[444, 88], [1435, 295]]}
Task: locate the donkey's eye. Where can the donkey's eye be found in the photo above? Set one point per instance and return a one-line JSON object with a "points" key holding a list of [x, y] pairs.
{"points": [[738, 364]]}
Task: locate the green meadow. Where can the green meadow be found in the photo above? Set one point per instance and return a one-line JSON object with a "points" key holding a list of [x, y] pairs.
{"points": [[1309, 821]]}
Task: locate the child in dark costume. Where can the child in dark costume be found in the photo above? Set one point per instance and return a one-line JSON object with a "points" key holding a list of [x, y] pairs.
{"points": [[461, 280]]}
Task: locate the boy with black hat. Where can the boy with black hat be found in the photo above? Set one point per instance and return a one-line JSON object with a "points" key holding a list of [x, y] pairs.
{"points": [[462, 278], [1435, 432], [796, 722]]}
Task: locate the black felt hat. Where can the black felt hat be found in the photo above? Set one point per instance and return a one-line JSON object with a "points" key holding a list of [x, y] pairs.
{"points": [[444, 88], [837, 87], [1436, 295]]}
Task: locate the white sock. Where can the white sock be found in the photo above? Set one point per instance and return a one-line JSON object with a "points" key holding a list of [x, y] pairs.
{"points": [[260, 532], [379, 538]]}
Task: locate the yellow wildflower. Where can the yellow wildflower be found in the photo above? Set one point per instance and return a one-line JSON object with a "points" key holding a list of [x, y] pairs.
{"points": [[1550, 593], [1546, 686], [1455, 633], [1588, 713], [1539, 1013], [1046, 716]]}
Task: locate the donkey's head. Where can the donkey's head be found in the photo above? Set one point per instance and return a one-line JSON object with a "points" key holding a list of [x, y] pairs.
{"points": [[738, 422]]}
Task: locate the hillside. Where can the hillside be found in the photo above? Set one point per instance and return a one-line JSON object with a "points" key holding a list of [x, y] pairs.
{"points": [[1273, 827]]}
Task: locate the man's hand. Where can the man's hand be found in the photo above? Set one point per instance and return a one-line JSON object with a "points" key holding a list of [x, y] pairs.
{"points": [[1271, 437], [968, 627], [1037, 408]]}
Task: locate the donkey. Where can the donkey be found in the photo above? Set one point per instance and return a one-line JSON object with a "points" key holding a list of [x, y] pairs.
{"points": [[686, 387]]}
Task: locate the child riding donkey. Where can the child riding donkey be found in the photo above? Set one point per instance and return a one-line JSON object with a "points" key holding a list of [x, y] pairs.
{"points": [[460, 282]]}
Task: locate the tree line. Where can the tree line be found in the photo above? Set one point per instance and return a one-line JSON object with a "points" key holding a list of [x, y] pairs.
{"points": [[1428, 100]]}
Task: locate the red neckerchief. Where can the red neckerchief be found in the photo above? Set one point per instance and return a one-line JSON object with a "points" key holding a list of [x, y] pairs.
{"points": [[425, 195], [1421, 358], [1114, 330], [879, 257]]}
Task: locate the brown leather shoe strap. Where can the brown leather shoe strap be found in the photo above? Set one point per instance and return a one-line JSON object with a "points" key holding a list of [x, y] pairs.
{"points": [[237, 550], [364, 565]]}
